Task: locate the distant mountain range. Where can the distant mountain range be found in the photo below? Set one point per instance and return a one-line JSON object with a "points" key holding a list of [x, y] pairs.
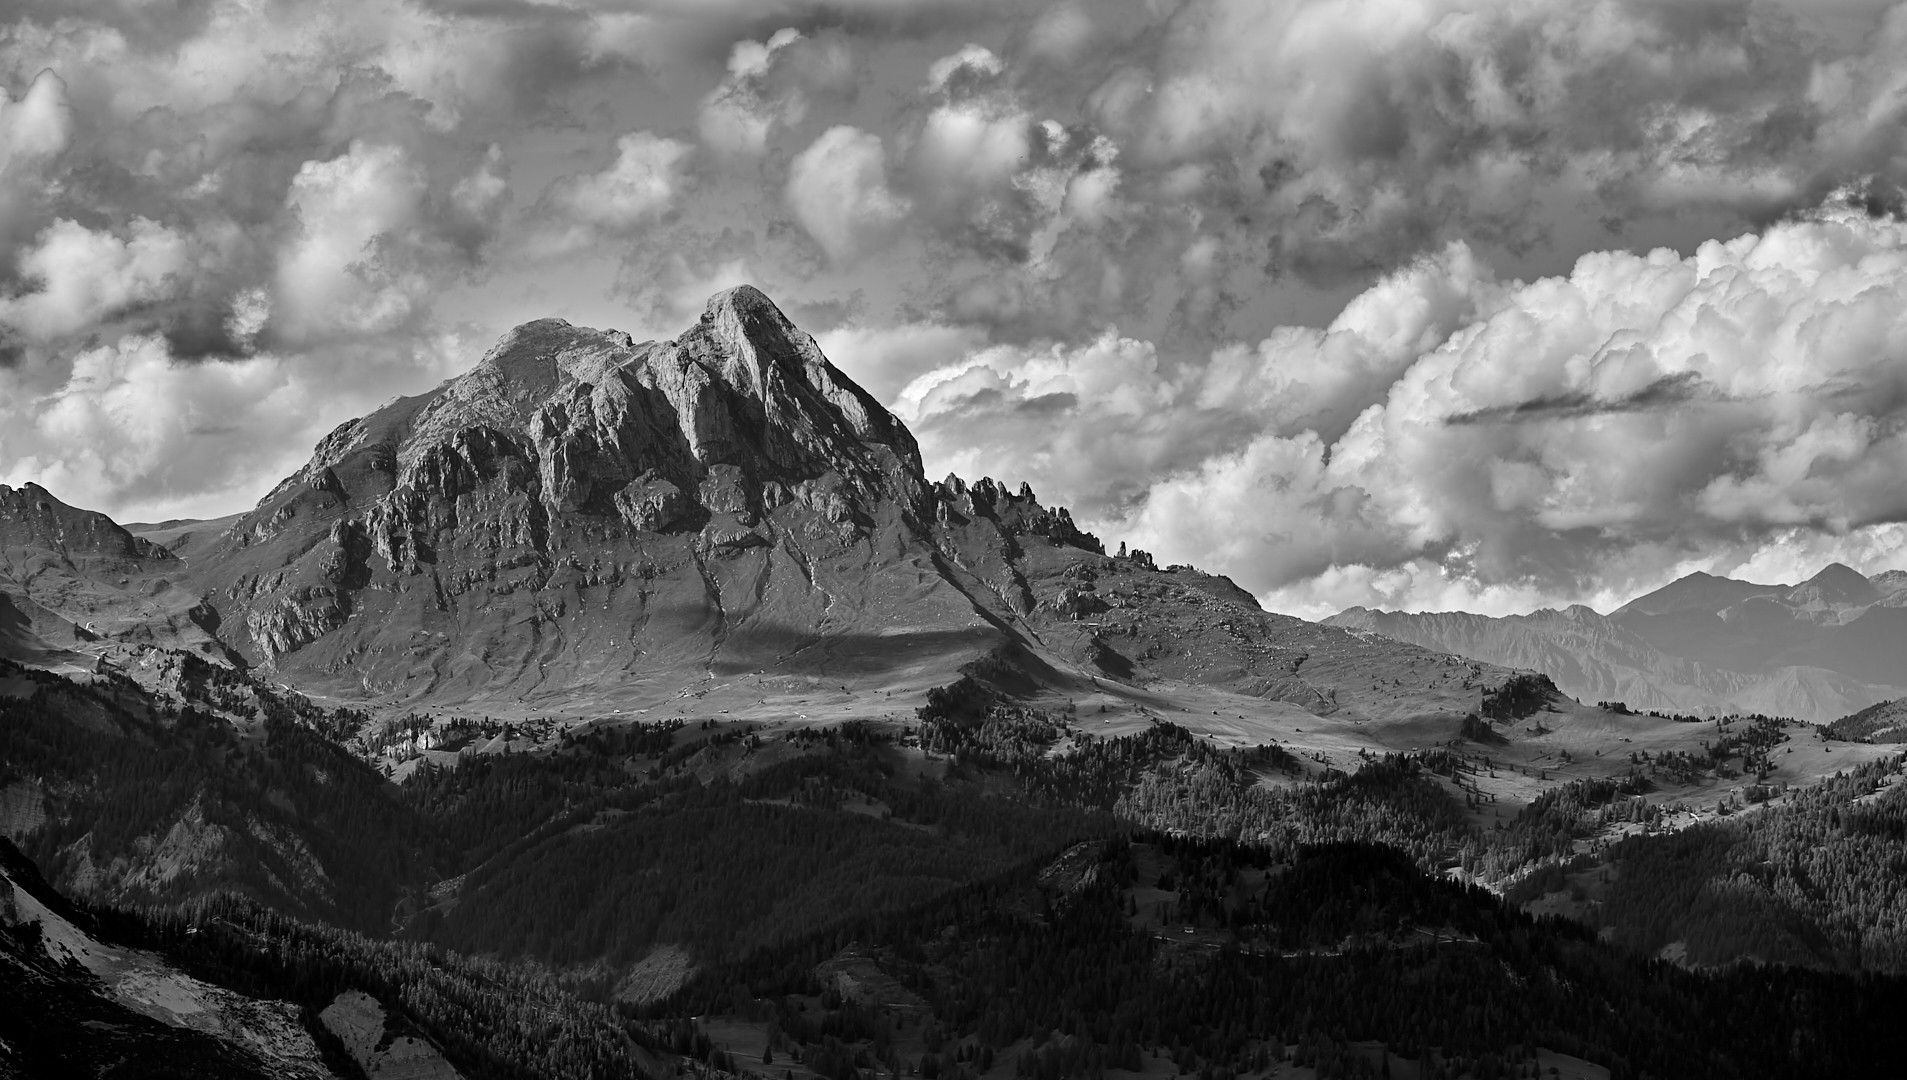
{"points": [[1702, 645]]}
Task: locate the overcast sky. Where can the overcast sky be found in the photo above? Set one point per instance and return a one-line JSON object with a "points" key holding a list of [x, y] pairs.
{"points": [[1407, 303]]}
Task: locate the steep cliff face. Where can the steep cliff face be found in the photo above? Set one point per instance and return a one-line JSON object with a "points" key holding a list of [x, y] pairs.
{"points": [[581, 507]]}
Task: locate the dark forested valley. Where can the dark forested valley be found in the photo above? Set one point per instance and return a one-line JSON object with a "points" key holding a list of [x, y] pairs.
{"points": [[950, 897]]}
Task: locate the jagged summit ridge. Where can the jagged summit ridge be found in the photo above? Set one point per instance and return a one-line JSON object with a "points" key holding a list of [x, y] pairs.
{"points": [[593, 422], [753, 348], [1837, 583]]}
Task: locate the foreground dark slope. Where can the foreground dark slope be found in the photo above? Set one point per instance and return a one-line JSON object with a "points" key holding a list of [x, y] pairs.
{"points": [[1346, 960], [790, 875], [124, 795], [73, 1004]]}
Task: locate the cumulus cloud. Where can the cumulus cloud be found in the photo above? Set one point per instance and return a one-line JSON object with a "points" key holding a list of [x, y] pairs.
{"points": [[837, 189], [132, 428], [36, 126], [642, 185], [264, 180], [885, 359], [33, 129], [81, 277], [1061, 32], [1458, 436], [1300, 378], [1096, 420], [974, 139], [1124, 419], [771, 84], [342, 268]]}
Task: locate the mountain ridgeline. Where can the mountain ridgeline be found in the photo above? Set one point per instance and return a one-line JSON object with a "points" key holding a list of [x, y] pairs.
{"points": [[1701, 645], [583, 521]]}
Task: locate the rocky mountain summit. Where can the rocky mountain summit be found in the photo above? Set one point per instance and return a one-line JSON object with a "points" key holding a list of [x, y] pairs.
{"points": [[579, 503], [1702, 645]]}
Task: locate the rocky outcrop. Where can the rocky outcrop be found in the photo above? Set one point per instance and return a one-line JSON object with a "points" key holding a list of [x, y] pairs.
{"points": [[652, 504], [294, 618], [1016, 514]]}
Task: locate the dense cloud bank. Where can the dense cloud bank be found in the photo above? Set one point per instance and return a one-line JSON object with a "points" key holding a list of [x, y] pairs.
{"points": [[1414, 302], [1454, 439]]}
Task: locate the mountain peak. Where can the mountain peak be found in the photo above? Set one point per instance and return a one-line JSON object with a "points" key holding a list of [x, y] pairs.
{"points": [[746, 322], [527, 362], [746, 340], [572, 447], [1696, 591], [1838, 574], [1837, 583], [741, 302]]}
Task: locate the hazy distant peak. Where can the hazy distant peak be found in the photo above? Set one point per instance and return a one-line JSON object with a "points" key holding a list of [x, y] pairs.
{"points": [[1703, 643], [1695, 591], [1840, 582]]}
